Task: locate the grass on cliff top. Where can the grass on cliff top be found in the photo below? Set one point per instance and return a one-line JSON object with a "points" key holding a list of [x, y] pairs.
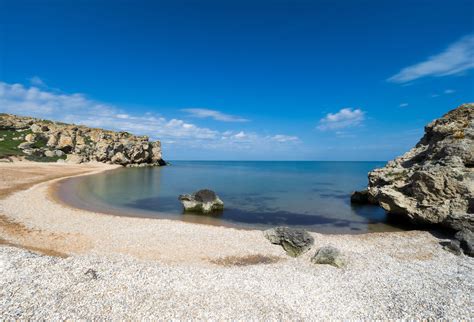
{"points": [[9, 147]]}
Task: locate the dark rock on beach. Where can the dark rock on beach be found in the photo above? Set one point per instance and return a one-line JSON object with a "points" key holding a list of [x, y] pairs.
{"points": [[329, 255], [204, 201], [466, 241], [453, 246], [294, 241]]}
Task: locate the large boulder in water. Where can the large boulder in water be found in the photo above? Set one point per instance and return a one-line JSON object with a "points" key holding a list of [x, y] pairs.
{"points": [[433, 182], [294, 241], [204, 201]]}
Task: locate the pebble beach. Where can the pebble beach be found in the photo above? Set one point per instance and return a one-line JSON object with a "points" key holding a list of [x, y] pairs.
{"points": [[57, 262]]}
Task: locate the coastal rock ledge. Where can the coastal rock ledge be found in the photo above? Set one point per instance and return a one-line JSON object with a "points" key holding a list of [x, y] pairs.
{"points": [[433, 182], [42, 140]]}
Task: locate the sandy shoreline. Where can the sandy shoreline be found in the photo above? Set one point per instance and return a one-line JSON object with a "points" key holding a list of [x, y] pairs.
{"points": [[165, 268]]}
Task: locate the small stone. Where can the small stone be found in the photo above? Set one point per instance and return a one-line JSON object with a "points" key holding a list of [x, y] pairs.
{"points": [[329, 255], [294, 241], [92, 273]]}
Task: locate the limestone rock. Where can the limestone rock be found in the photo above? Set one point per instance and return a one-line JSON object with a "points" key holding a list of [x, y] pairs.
{"points": [[35, 128], [74, 159], [119, 158], [433, 182], [329, 255], [86, 144], [294, 241], [65, 143], [49, 154], [204, 201], [30, 138], [25, 145]]}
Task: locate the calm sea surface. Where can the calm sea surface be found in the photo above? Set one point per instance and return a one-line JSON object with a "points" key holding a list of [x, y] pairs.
{"points": [[314, 195]]}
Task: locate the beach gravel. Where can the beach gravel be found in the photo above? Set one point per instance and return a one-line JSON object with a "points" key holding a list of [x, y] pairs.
{"points": [[39, 286]]}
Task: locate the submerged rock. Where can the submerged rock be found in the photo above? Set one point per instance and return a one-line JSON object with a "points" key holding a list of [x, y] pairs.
{"points": [[204, 201], [433, 182], [294, 241], [329, 255]]}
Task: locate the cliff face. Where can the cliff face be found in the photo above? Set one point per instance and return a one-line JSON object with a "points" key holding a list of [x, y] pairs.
{"points": [[434, 181], [44, 140]]}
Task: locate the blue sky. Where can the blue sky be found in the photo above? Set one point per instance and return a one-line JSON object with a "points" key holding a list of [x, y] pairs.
{"points": [[242, 80]]}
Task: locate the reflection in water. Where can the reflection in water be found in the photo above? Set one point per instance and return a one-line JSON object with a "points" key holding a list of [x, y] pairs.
{"points": [[315, 195]]}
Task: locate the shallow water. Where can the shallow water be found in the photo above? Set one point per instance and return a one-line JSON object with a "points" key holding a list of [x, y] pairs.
{"points": [[314, 195]]}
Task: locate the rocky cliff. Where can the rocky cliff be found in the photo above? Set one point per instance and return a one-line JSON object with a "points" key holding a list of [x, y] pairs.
{"points": [[434, 181], [43, 140]]}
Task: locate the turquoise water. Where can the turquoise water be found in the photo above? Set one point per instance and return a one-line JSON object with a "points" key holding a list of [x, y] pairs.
{"points": [[314, 195]]}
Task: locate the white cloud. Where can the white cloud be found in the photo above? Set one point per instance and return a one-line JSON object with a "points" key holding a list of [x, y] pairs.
{"points": [[346, 117], [456, 58], [284, 138], [403, 105], [240, 135], [216, 115], [79, 109], [36, 81], [445, 92]]}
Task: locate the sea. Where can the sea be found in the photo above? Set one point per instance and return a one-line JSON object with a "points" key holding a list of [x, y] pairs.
{"points": [[314, 195]]}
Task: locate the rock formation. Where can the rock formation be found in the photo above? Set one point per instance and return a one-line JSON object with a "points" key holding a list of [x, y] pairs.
{"points": [[294, 241], [433, 182], [49, 141], [204, 201]]}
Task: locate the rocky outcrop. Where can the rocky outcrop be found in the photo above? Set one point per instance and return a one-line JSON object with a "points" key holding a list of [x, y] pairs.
{"points": [[54, 140], [294, 241], [204, 201], [433, 182]]}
